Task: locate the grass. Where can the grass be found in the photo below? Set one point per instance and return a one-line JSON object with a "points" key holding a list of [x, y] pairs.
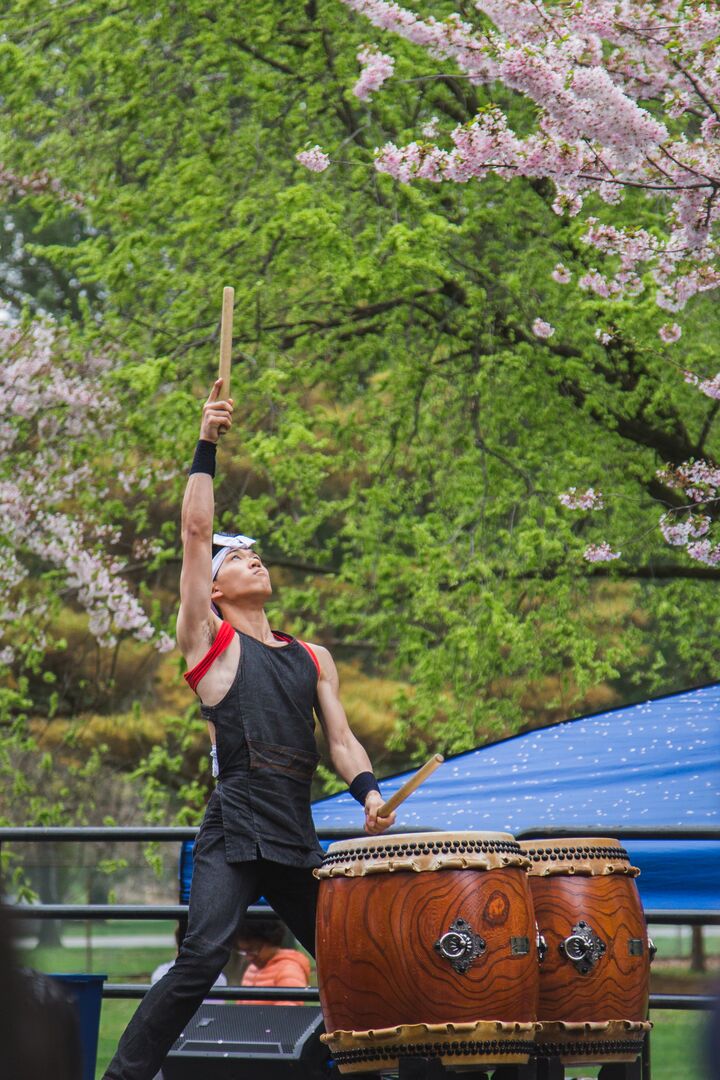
{"points": [[119, 964], [113, 1021], [675, 1047], [126, 927]]}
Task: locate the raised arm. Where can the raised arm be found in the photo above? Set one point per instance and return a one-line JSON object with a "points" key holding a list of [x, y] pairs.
{"points": [[348, 756], [197, 624]]}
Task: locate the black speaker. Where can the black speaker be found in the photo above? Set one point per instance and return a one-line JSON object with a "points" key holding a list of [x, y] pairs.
{"points": [[224, 1041]]}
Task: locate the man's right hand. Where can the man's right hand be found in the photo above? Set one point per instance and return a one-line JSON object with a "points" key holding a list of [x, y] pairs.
{"points": [[216, 416]]}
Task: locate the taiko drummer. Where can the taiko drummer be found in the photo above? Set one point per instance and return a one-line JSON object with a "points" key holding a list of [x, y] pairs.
{"points": [[258, 690]]}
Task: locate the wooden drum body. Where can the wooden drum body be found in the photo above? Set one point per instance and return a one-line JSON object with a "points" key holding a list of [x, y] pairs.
{"points": [[595, 973], [426, 944]]}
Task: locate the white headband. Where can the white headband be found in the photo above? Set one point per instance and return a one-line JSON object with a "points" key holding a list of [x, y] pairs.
{"points": [[228, 542]]}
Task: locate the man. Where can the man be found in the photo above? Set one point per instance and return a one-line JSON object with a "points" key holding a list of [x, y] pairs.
{"points": [[258, 689]]}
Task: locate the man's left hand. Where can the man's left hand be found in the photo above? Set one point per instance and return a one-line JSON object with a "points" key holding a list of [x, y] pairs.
{"points": [[373, 823]]}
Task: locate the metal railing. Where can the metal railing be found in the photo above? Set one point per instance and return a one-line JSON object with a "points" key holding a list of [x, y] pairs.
{"points": [[121, 912], [653, 916]]}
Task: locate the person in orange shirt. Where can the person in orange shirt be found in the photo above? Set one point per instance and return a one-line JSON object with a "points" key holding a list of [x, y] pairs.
{"points": [[260, 942]]}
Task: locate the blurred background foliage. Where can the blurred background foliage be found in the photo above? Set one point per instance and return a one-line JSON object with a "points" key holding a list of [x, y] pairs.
{"points": [[401, 436]]}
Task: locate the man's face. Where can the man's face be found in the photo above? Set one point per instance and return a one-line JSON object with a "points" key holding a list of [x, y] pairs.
{"points": [[242, 576]]}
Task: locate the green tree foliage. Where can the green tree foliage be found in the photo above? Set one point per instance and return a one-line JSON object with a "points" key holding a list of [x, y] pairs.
{"points": [[402, 434]]}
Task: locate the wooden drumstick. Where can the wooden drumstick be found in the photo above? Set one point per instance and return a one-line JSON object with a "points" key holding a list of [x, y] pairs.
{"points": [[409, 786], [226, 330]]}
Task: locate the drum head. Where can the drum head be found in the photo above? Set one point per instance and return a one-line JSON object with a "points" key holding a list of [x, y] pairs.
{"points": [[585, 855], [414, 841], [421, 852]]}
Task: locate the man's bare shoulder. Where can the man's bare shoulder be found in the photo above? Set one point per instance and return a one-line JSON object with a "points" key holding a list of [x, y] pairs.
{"points": [[324, 656]]}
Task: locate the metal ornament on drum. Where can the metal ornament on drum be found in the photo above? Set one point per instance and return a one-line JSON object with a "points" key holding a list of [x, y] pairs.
{"points": [[426, 944], [594, 977]]}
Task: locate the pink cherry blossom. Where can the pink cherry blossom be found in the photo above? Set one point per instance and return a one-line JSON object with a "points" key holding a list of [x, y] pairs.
{"points": [[570, 203], [679, 533], [431, 129], [542, 329], [626, 96], [48, 399], [582, 500], [670, 332], [597, 283], [698, 480], [600, 553], [314, 159], [377, 67], [710, 387], [588, 68], [704, 551]]}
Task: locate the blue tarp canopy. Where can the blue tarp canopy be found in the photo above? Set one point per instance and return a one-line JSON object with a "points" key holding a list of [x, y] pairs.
{"points": [[652, 765]]}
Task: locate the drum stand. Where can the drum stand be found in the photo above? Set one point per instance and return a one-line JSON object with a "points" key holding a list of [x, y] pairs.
{"points": [[415, 1068]]}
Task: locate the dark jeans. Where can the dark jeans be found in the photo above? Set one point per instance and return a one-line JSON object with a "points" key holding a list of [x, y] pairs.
{"points": [[219, 897]]}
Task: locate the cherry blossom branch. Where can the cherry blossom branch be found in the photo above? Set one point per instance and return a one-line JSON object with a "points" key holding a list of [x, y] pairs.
{"points": [[639, 184], [586, 68], [590, 73], [693, 82], [688, 168]]}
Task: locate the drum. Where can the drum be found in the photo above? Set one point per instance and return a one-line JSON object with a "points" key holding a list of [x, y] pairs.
{"points": [[595, 972], [426, 944]]}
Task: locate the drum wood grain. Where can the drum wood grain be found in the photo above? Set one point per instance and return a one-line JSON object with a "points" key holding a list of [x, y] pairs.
{"points": [[376, 957], [617, 987]]}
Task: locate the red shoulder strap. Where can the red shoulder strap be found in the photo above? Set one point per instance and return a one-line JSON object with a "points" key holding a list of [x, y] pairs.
{"points": [[222, 639], [313, 657], [287, 637]]}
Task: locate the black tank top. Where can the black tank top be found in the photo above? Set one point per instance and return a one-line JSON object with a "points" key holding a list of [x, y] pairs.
{"points": [[267, 755]]}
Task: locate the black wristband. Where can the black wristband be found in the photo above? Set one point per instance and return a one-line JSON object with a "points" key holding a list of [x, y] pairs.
{"points": [[362, 785], [204, 460]]}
